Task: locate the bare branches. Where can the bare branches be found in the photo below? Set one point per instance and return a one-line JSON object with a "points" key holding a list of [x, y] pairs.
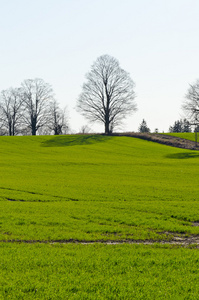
{"points": [[37, 96], [191, 104], [191, 107], [108, 94], [11, 110], [31, 109], [58, 123]]}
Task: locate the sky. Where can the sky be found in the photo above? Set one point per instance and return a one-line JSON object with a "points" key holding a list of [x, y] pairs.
{"points": [[155, 41]]}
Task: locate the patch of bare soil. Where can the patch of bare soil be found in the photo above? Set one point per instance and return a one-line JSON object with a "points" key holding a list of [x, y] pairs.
{"points": [[162, 139], [181, 240]]}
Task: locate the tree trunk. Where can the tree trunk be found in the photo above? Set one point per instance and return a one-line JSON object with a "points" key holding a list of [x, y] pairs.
{"points": [[34, 131], [10, 130], [13, 128], [196, 137], [107, 130], [10, 127], [34, 125]]}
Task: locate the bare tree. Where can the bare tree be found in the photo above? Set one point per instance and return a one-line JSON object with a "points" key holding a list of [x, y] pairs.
{"points": [[85, 129], [37, 97], [108, 94], [58, 123], [11, 110], [191, 106]]}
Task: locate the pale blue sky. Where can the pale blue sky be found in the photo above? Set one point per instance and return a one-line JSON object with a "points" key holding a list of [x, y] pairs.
{"points": [[156, 41]]}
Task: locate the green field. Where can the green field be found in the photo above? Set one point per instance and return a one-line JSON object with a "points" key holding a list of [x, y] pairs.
{"points": [[55, 190], [184, 135]]}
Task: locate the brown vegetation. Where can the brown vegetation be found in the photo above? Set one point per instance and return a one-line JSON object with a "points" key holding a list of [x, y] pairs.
{"points": [[162, 139]]}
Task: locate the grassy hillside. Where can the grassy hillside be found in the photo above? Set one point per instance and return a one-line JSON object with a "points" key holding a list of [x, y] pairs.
{"points": [[184, 135], [93, 187], [96, 188]]}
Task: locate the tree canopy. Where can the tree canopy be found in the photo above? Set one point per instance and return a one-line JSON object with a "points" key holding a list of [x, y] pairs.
{"points": [[108, 93], [31, 109]]}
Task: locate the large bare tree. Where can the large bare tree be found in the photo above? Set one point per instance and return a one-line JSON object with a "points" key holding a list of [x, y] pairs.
{"points": [[108, 94], [37, 96], [11, 111], [191, 106]]}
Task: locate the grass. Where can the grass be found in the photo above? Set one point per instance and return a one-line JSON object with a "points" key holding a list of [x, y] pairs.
{"points": [[98, 272], [105, 188], [184, 135], [91, 188]]}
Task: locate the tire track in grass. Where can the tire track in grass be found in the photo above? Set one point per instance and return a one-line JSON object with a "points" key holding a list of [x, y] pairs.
{"points": [[177, 240], [34, 193]]}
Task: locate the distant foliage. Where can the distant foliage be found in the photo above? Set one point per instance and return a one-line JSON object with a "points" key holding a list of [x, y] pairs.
{"points": [[143, 127], [181, 126], [31, 109]]}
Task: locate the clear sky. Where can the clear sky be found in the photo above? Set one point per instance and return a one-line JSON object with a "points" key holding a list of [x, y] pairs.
{"points": [[156, 41]]}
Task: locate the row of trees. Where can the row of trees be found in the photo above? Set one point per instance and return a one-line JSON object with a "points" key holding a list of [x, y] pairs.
{"points": [[181, 126], [31, 108], [107, 96]]}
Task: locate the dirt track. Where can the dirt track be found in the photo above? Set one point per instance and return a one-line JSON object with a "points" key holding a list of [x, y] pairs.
{"points": [[162, 139], [179, 240]]}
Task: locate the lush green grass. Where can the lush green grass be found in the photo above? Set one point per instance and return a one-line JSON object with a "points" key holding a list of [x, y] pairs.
{"points": [[100, 188], [184, 135], [98, 272], [96, 188]]}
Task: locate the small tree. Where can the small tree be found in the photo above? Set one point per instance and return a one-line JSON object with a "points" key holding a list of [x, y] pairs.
{"points": [[143, 127], [108, 94], [85, 129], [186, 126], [177, 127], [57, 120]]}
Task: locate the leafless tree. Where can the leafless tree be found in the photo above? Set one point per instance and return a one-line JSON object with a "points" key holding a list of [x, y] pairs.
{"points": [[85, 129], [58, 121], [191, 106], [37, 97], [108, 94], [11, 111]]}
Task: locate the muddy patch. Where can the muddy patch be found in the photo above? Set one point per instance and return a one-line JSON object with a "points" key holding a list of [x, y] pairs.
{"points": [[182, 240]]}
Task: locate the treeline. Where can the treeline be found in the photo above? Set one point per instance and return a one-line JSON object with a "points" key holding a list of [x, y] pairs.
{"points": [[182, 125], [31, 109]]}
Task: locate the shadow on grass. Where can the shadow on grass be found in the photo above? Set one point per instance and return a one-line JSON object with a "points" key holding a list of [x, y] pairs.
{"points": [[73, 140], [184, 155]]}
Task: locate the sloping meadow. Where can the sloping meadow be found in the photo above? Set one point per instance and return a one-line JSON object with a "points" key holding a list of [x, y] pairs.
{"points": [[93, 188]]}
